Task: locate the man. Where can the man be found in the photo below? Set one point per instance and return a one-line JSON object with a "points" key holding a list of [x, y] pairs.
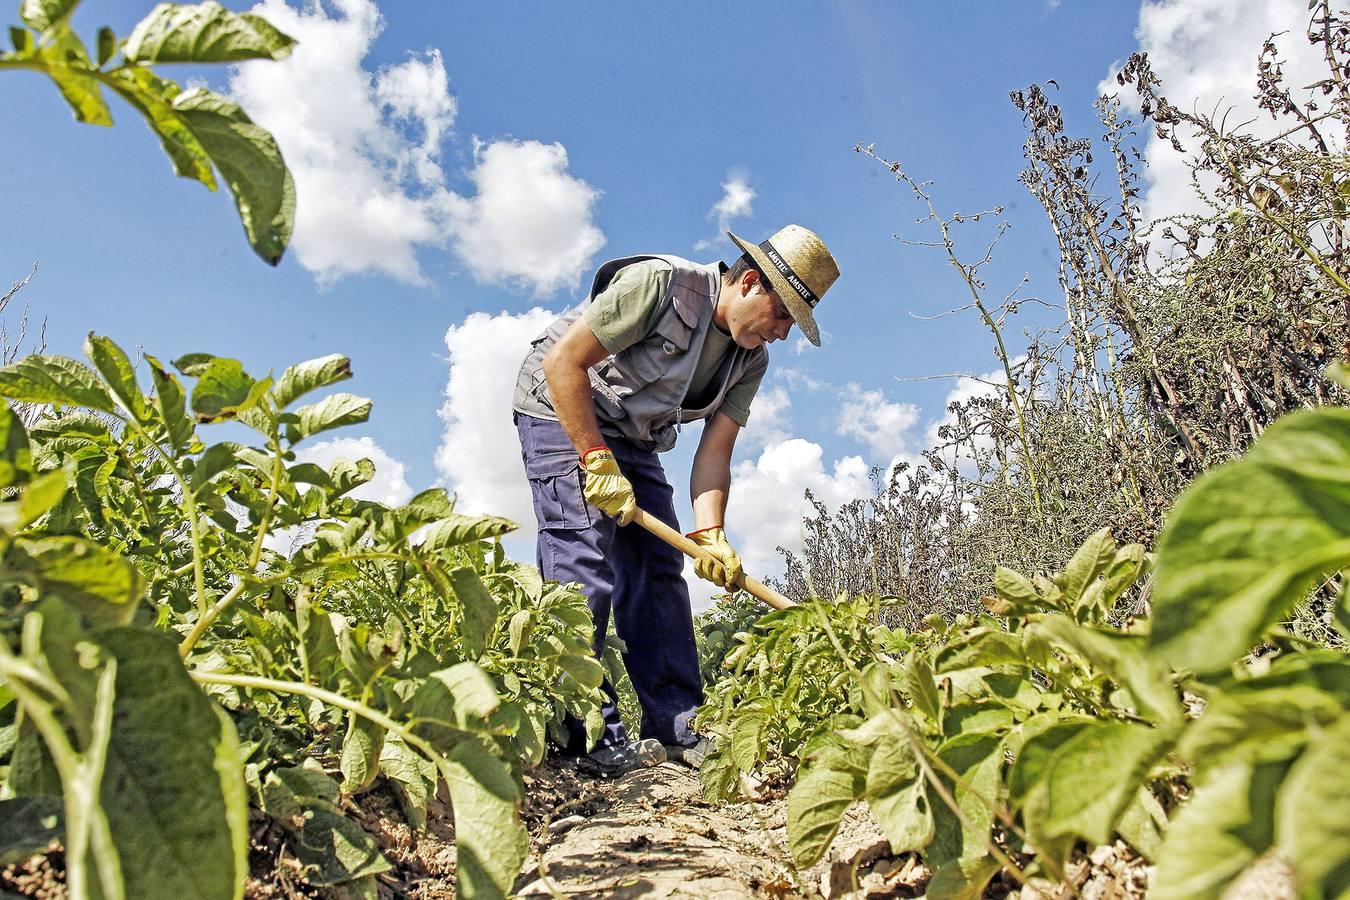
{"points": [[658, 342]]}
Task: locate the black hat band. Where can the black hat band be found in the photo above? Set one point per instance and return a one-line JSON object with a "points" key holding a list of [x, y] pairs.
{"points": [[786, 271]]}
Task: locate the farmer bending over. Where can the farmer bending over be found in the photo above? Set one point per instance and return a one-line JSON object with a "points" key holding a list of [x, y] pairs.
{"points": [[660, 341]]}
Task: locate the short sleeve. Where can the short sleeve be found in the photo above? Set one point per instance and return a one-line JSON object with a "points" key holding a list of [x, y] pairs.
{"points": [[736, 404], [626, 311]]}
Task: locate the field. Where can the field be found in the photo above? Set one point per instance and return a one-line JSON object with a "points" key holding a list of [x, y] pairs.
{"points": [[1094, 646]]}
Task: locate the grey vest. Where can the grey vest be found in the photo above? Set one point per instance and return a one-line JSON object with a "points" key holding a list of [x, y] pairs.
{"points": [[640, 392]]}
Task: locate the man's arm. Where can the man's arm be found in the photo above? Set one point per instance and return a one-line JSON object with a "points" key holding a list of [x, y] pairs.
{"points": [[569, 383], [710, 477]]}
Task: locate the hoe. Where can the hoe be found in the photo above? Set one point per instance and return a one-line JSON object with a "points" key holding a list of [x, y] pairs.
{"points": [[694, 551]]}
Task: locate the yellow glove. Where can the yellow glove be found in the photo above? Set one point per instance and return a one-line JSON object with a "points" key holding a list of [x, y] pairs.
{"points": [[725, 568], [605, 488]]}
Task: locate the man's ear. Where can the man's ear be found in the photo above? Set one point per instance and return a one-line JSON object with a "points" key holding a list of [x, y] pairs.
{"points": [[748, 282]]}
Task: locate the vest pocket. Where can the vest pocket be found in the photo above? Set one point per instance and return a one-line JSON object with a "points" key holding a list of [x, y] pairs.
{"points": [[555, 485]]}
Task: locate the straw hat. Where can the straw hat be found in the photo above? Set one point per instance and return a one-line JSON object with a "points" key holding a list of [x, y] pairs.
{"points": [[800, 270]]}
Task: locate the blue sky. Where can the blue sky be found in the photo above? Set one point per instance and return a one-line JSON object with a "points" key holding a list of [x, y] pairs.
{"points": [[630, 119]]}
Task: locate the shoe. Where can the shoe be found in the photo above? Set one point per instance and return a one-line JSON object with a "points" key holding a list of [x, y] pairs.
{"points": [[619, 759], [692, 755]]}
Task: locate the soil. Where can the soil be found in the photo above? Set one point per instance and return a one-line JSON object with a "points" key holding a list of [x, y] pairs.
{"points": [[649, 834]]}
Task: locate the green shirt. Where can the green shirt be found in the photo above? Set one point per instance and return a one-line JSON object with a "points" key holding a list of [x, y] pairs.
{"points": [[626, 311]]}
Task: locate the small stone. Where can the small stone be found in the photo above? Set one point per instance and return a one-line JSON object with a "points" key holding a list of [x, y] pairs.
{"points": [[873, 885], [864, 851], [567, 823], [885, 867], [1102, 855], [536, 888]]}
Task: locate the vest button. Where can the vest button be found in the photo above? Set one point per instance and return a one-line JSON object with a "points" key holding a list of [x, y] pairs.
{"points": [[668, 347]]}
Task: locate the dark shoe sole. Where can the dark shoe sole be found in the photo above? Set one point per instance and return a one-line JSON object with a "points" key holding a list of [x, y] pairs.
{"points": [[642, 758]]}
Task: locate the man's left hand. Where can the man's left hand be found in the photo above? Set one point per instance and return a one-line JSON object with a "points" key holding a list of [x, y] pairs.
{"points": [[724, 569]]}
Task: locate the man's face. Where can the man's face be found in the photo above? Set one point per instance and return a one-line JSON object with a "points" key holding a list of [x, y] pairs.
{"points": [[756, 316]]}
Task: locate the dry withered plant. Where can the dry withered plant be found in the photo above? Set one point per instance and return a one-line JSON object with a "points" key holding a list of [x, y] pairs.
{"points": [[1179, 340]]}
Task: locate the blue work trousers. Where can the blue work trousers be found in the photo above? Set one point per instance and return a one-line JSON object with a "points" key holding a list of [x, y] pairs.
{"points": [[624, 572]]}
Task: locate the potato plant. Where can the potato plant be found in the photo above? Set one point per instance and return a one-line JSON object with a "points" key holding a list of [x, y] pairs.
{"points": [[165, 664], [1007, 741], [204, 133]]}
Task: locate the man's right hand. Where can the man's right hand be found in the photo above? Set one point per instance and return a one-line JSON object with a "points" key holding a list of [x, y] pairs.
{"points": [[605, 487]]}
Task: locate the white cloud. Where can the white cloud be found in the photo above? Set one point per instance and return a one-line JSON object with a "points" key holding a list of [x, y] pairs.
{"points": [[736, 202], [479, 455], [768, 499], [389, 486], [883, 426], [364, 148], [770, 419], [1205, 52], [530, 222]]}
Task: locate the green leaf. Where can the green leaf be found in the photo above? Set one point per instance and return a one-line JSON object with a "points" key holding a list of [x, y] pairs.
{"points": [[39, 496], [16, 459], [830, 783], [203, 32], [116, 369], [1338, 371], [962, 881], [361, 747], [1266, 719], [1130, 562], [82, 92], [474, 694], [1031, 765], [291, 790], [921, 686], [490, 840], [964, 840], [1248, 539], [428, 506], [27, 826], [459, 529], [90, 577], [304, 377], [153, 96], [747, 735], [41, 15], [1312, 813], [223, 388], [334, 849], [898, 796], [1123, 658], [478, 608], [585, 670], [414, 778], [107, 45], [173, 787], [332, 411], [250, 161], [54, 379], [1088, 562], [171, 405], [32, 772], [217, 459], [1018, 591], [1092, 777], [982, 647], [348, 475], [22, 39], [1222, 830], [1143, 822]]}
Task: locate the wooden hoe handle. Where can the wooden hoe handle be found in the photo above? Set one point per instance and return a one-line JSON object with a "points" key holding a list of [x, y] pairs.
{"points": [[694, 551]]}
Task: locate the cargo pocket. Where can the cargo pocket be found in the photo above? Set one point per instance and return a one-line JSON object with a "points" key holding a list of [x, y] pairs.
{"points": [[555, 484]]}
